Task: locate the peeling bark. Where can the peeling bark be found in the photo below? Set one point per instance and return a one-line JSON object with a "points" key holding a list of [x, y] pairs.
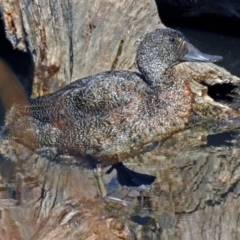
{"points": [[71, 40], [196, 192]]}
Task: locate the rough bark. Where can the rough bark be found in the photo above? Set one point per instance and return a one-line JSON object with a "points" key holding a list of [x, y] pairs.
{"points": [[196, 192], [73, 39], [195, 195], [68, 40]]}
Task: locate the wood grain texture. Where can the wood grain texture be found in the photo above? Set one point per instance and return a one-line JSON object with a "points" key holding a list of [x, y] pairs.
{"points": [[196, 195], [74, 39]]}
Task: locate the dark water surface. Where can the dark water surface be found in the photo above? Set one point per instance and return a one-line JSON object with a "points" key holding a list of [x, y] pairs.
{"points": [[213, 35], [218, 44]]}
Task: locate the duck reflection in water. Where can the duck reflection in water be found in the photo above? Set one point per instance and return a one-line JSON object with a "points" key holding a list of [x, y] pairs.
{"points": [[104, 119]]}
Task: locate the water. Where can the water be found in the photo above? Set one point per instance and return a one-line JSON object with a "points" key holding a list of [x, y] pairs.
{"points": [[217, 44], [211, 34]]}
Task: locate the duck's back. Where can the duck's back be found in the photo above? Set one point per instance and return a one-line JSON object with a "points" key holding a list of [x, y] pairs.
{"points": [[89, 96]]}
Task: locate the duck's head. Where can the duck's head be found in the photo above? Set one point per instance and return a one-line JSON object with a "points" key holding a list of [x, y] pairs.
{"points": [[164, 48]]}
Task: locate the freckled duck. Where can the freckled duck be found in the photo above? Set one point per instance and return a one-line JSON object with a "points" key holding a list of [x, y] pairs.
{"points": [[111, 116]]}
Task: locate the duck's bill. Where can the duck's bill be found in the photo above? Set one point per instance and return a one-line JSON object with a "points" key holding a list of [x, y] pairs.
{"points": [[194, 55]]}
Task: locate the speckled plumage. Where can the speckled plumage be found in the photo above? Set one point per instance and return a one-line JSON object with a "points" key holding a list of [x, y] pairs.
{"points": [[112, 115]]}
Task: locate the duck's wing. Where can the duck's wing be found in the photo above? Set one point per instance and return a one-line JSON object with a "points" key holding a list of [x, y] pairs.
{"points": [[105, 92], [96, 96]]}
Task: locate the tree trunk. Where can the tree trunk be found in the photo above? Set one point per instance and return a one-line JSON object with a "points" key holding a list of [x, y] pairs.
{"points": [[196, 192], [73, 39], [68, 40]]}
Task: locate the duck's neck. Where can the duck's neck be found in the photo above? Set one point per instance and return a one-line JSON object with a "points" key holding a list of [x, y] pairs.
{"points": [[155, 73]]}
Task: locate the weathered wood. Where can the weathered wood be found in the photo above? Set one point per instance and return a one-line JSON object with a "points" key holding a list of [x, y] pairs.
{"points": [[197, 188], [196, 193], [68, 40], [74, 39]]}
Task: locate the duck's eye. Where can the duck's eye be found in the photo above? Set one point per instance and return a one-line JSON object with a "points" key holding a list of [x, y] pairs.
{"points": [[172, 39]]}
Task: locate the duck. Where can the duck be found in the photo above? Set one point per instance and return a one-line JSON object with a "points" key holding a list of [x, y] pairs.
{"points": [[104, 119]]}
